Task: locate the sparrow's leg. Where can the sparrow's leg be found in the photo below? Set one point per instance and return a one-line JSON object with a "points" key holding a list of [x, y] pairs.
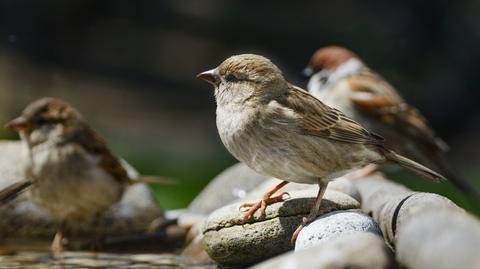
{"points": [[322, 186], [59, 241], [98, 223], [266, 200]]}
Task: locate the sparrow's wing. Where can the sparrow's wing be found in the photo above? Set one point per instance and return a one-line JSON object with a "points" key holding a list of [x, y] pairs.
{"points": [[317, 119], [373, 96], [95, 145]]}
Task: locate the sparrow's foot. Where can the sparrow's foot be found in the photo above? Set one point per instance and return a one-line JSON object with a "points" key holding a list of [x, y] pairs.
{"points": [[59, 243], [322, 186], [366, 171], [305, 222], [262, 205]]}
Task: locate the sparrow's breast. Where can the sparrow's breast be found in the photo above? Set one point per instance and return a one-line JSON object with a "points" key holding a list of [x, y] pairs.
{"points": [[69, 183], [262, 144]]}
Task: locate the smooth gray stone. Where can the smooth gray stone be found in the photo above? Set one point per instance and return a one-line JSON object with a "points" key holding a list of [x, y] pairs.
{"points": [[79, 260], [400, 209], [376, 190], [232, 184], [344, 184], [20, 218], [427, 230], [229, 242], [440, 239], [264, 185], [333, 225], [359, 251], [391, 204]]}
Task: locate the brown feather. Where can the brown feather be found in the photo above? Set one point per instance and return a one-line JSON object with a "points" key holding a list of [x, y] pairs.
{"points": [[384, 104], [95, 145], [318, 119]]}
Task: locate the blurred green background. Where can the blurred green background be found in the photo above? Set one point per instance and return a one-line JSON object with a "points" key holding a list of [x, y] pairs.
{"points": [[130, 67]]}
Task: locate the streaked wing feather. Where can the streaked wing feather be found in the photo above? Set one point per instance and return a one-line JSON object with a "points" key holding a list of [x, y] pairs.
{"points": [[318, 119], [94, 144], [376, 98]]}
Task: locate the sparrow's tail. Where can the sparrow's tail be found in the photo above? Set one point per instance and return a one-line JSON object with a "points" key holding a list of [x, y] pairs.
{"points": [[153, 180], [14, 190], [412, 165]]}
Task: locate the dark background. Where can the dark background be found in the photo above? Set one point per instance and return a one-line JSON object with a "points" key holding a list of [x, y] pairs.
{"points": [[130, 67]]}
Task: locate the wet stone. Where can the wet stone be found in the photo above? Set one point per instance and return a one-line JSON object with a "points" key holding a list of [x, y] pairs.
{"points": [[79, 260], [359, 251], [229, 242], [94, 263]]}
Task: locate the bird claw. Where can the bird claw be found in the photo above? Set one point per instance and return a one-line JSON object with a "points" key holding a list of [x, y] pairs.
{"points": [[262, 205], [365, 171], [305, 222], [287, 194], [245, 206]]}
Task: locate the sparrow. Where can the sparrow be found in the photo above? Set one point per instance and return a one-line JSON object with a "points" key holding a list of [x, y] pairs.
{"points": [[280, 130], [340, 79], [69, 170]]}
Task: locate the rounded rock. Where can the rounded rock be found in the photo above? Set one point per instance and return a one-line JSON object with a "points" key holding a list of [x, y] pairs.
{"points": [[229, 242], [345, 185], [440, 239], [359, 251], [333, 225]]}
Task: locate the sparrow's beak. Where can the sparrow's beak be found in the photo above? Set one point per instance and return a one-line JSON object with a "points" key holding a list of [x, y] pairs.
{"points": [[307, 72], [19, 124], [210, 76]]}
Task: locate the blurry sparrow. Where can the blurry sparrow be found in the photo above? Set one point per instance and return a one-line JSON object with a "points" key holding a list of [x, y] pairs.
{"points": [[341, 80], [282, 131], [69, 169]]}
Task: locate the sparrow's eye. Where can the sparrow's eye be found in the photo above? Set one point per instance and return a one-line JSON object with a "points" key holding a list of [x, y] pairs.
{"points": [[231, 78], [41, 121], [44, 109], [46, 121], [323, 80]]}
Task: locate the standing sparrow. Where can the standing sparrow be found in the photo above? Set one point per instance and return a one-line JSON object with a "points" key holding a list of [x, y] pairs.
{"points": [[282, 131], [341, 80], [69, 170]]}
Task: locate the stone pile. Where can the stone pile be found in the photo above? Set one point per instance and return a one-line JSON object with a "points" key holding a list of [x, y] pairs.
{"points": [[367, 222]]}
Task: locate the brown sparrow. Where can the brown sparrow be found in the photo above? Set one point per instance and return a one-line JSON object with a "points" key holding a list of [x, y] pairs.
{"points": [[70, 171], [282, 131], [341, 80]]}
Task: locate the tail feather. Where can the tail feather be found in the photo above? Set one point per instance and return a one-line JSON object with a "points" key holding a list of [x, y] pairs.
{"points": [[153, 180], [14, 190], [414, 166]]}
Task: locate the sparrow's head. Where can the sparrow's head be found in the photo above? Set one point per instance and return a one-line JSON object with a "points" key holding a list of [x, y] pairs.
{"points": [[44, 119], [329, 59], [328, 65], [244, 75]]}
